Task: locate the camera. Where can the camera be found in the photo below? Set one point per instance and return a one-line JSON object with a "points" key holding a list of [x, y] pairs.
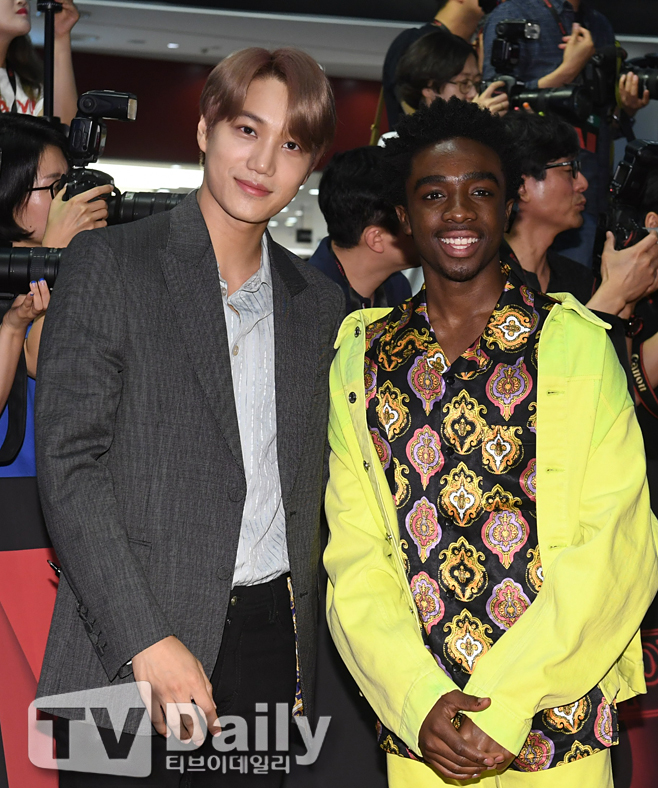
{"points": [[572, 102], [625, 217], [87, 142], [608, 64], [21, 265], [506, 49]]}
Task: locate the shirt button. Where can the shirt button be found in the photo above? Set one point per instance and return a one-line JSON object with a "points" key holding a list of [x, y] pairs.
{"points": [[448, 451], [236, 350], [352, 397], [357, 331], [234, 601], [450, 379]]}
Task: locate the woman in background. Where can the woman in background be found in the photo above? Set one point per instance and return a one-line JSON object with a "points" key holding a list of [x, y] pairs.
{"points": [[32, 213], [21, 71]]}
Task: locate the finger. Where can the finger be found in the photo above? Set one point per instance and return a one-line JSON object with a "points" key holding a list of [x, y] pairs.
{"points": [[453, 771], [461, 748], [37, 301], [157, 716], [90, 194], [44, 290], [174, 725]]}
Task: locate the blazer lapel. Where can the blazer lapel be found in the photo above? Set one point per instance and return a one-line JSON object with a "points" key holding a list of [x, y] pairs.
{"points": [[296, 355], [190, 271]]}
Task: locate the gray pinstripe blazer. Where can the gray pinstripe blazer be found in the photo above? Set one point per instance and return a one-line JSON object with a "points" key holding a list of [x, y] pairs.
{"points": [[138, 451]]}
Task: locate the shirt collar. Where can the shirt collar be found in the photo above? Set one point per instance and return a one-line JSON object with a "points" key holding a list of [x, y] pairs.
{"points": [[263, 276]]}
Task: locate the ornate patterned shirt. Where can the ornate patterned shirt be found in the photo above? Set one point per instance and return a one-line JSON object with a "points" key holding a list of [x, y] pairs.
{"points": [[458, 447]]}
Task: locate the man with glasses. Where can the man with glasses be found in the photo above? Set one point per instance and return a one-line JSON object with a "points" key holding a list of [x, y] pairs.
{"points": [[551, 200]]}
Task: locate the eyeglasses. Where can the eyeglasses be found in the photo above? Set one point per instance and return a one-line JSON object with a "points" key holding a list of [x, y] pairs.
{"points": [[465, 85], [576, 167], [55, 187]]}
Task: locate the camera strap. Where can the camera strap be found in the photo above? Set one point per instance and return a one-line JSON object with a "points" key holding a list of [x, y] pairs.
{"points": [[556, 16], [642, 386], [17, 415]]}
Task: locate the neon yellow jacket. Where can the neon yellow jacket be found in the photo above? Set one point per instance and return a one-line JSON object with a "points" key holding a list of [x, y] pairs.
{"points": [[597, 540]]}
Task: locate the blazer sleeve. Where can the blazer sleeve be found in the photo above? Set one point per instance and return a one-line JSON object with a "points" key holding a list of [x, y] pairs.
{"points": [[595, 592], [78, 392], [368, 610]]}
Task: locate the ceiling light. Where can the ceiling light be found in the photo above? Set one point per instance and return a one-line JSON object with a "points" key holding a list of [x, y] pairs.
{"points": [[137, 41], [291, 221], [284, 210], [172, 45], [273, 223], [314, 192]]}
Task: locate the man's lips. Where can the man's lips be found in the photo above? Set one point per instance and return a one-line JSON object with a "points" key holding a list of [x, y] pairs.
{"points": [[253, 188]]}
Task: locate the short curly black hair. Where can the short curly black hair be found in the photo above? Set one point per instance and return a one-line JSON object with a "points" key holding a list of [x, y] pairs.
{"points": [[448, 120], [540, 139]]}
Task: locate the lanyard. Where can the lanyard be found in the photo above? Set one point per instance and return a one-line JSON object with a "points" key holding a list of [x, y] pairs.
{"points": [[556, 16]]}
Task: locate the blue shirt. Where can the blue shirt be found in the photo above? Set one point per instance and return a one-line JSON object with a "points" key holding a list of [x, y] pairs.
{"points": [[392, 292], [542, 56], [25, 463]]}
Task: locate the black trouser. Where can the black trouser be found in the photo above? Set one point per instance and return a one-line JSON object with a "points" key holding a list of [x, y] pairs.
{"points": [[256, 665]]}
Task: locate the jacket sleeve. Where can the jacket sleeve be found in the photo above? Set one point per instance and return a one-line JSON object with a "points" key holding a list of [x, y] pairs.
{"points": [[596, 590], [368, 609], [79, 386]]}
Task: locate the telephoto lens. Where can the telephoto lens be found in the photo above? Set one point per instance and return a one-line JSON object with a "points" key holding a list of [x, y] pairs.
{"points": [[21, 265], [131, 206]]}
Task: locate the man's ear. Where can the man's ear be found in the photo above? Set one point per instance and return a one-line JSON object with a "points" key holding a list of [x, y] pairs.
{"points": [[508, 208], [523, 190], [373, 237], [403, 219], [651, 219], [202, 134]]}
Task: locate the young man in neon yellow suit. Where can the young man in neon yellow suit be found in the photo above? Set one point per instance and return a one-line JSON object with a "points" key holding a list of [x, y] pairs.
{"points": [[492, 548]]}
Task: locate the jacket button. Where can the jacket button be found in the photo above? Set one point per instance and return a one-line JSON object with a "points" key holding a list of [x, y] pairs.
{"points": [[234, 601], [366, 465], [352, 397], [357, 331], [236, 494]]}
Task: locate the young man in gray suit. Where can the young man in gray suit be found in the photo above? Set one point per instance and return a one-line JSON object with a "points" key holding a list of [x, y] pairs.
{"points": [[181, 429]]}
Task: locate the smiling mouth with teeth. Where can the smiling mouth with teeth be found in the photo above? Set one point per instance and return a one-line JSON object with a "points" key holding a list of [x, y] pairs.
{"points": [[460, 242]]}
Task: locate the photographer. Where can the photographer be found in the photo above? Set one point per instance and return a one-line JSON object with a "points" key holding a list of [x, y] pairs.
{"points": [[441, 65], [460, 17], [570, 34], [21, 90], [32, 213], [552, 200]]}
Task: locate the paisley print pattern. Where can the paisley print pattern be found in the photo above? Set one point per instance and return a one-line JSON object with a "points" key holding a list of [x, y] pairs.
{"points": [[528, 480], [509, 385], [502, 448], [577, 752], [428, 600], [463, 426], [381, 446], [507, 603], [424, 453], [423, 526], [534, 573], [391, 410], [467, 640], [571, 718], [426, 382], [457, 445], [461, 497], [462, 572], [509, 328], [536, 754]]}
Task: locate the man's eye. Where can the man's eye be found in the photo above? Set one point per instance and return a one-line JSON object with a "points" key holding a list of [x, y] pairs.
{"points": [[482, 193], [290, 145], [246, 129], [433, 195]]}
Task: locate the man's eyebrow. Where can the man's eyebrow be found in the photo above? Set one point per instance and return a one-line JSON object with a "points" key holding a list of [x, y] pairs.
{"points": [[480, 175], [251, 116]]}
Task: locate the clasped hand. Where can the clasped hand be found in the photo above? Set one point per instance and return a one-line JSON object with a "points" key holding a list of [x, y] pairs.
{"points": [[464, 753]]}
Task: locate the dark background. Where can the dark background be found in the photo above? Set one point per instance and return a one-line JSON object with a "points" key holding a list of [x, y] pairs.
{"points": [[630, 17]]}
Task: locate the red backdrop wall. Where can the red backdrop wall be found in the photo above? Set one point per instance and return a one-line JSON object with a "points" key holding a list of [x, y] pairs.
{"points": [[168, 94]]}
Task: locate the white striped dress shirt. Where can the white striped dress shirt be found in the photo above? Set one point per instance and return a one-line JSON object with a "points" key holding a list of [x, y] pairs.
{"points": [[249, 312]]}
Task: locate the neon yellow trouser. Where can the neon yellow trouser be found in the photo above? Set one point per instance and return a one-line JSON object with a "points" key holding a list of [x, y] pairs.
{"points": [[591, 772]]}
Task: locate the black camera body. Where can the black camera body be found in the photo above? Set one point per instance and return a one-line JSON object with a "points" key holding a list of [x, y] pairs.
{"points": [[572, 102], [506, 46], [625, 216], [608, 64]]}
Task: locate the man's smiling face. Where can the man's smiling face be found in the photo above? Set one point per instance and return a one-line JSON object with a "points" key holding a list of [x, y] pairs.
{"points": [[456, 208]]}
